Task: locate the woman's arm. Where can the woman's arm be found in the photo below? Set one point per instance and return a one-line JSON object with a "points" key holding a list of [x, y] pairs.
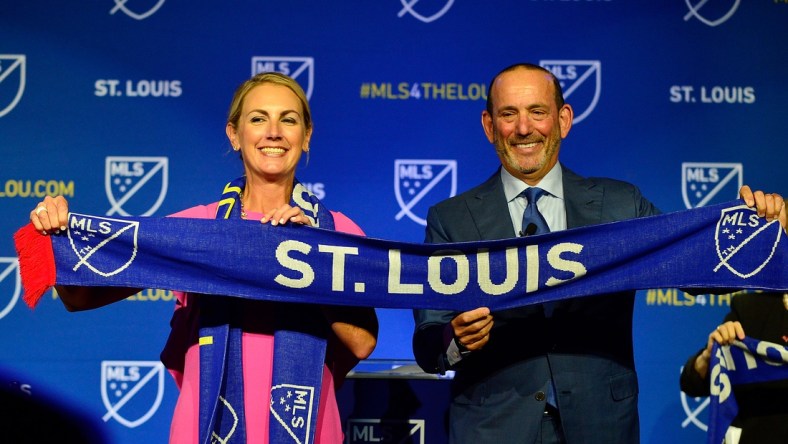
{"points": [[88, 298]]}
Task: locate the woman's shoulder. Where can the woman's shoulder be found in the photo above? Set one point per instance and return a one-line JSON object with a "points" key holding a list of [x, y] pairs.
{"points": [[344, 224], [198, 212]]}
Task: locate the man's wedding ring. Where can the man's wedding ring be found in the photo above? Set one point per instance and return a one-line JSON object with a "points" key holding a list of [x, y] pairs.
{"points": [[40, 209]]}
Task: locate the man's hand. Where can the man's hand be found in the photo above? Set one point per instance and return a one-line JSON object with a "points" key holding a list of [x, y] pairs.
{"points": [[472, 328], [770, 206]]}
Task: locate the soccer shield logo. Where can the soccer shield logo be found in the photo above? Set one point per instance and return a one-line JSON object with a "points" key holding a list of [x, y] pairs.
{"points": [[721, 10], [92, 239], [131, 390], [581, 82], [291, 405], [399, 431], [135, 185], [736, 227], [693, 407], [153, 6], [415, 179], [10, 284], [701, 182], [12, 81], [301, 69], [408, 7]]}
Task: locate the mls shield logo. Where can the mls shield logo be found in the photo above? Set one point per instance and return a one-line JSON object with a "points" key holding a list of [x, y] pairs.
{"points": [[692, 408], [302, 69], [408, 7], [12, 81], [581, 80], [10, 284], [131, 390], [135, 185], [152, 7], [291, 405], [410, 431], [701, 182], [736, 227], [721, 10], [415, 179], [104, 246]]}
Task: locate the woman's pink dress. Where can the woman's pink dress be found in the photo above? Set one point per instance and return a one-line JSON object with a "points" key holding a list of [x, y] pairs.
{"points": [[181, 355]]}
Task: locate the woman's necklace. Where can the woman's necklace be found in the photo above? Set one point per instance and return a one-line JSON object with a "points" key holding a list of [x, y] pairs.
{"points": [[243, 212]]}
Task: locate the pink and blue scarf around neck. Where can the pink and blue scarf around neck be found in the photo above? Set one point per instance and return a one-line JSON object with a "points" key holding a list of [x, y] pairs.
{"points": [[299, 351]]}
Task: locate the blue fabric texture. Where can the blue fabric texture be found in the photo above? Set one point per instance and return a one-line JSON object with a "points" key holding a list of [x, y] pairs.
{"points": [[743, 362], [724, 246], [299, 352]]}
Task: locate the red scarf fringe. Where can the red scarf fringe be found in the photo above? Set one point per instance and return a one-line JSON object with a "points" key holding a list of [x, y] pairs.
{"points": [[36, 263]]}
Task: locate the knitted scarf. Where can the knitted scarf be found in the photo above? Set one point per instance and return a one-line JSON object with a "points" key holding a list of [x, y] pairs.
{"points": [[299, 352]]}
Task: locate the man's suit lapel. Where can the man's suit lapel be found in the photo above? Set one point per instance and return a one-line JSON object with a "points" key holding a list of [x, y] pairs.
{"points": [[582, 199], [490, 210]]}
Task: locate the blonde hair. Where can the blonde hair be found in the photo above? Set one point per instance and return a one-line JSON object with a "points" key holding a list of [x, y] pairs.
{"points": [[234, 115]]}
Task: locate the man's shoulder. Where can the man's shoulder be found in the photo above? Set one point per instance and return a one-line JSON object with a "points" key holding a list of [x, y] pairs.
{"points": [[478, 192], [572, 178]]}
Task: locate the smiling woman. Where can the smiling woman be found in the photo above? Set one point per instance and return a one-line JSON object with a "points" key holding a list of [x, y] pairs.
{"points": [[271, 130], [230, 356]]}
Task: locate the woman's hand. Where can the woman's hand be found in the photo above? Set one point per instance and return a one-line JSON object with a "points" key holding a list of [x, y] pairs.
{"points": [[724, 334], [50, 215], [285, 214]]}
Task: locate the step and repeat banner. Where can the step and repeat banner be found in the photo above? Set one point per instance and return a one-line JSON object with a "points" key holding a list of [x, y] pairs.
{"points": [[120, 106]]}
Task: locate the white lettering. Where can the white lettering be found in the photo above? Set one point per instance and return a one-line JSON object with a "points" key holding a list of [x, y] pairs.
{"points": [[512, 275], [395, 285], [337, 264], [554, 258], [307, 273], [462, 269]]}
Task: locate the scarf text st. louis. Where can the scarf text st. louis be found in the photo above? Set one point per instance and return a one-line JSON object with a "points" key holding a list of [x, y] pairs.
{"points": [[724, 247]]}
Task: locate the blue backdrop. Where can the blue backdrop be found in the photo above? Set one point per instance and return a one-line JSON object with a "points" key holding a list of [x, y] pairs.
{"points": [[120, 105]]}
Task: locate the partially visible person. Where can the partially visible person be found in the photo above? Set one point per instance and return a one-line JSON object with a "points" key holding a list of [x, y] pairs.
{"points": [[763, 407], [553, 373], [270, 125]]}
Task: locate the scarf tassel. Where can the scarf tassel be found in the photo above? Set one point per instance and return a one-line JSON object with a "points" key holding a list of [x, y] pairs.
{"points": [[36, 263]]}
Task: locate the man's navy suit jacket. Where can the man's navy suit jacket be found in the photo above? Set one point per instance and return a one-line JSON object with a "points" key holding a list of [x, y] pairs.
{"points": [[498, 393]]}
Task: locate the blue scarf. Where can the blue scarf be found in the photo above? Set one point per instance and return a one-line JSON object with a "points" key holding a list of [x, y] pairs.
{"points": [[724, 246], [299, 351], [743, 362]]}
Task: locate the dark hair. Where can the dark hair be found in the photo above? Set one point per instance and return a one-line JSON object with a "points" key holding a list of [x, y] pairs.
{"points": [[559, 94]]}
